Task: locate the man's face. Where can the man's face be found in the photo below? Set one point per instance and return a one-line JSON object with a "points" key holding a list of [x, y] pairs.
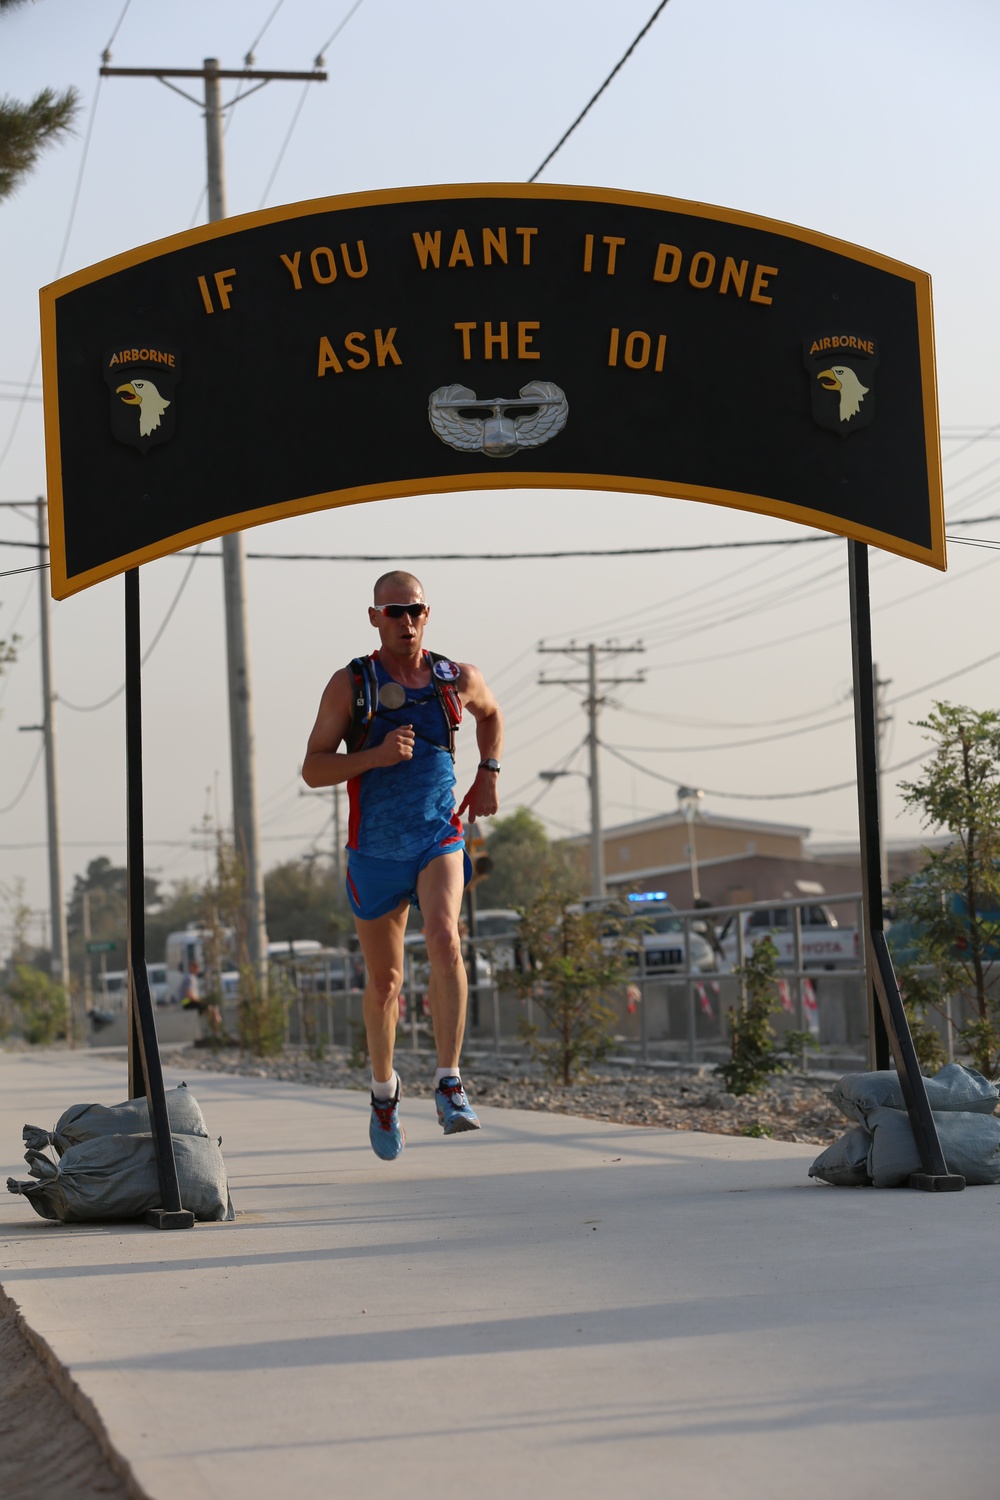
{"points": [[404, 636]]}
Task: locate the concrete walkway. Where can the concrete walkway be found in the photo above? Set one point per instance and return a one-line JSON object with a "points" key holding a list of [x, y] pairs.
{"points": [[552, 1307]]}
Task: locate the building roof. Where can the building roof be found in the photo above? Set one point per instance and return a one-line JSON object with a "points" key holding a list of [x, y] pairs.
{"points": [[704, 819]]}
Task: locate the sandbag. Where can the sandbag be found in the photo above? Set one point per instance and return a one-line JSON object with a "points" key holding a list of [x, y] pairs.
{"points": [[953, 1088], [845, 1163], [87, 1122], [115, 1177], [970, 1142]]}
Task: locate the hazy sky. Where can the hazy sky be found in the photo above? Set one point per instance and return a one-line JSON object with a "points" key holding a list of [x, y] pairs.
{"points": [[870, 120]]}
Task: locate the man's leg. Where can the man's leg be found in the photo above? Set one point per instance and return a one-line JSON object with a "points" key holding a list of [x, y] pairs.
{"points": [[382, 947], [440, 886]]}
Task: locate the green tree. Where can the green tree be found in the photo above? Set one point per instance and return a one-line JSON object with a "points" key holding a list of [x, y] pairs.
{"points": [[304, 900], [524, 863], [27, 128], [577, 960], [105, 886], [953, 903]]}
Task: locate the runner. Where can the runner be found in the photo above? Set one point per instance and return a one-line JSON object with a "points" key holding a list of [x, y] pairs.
{"points": [[386, 726]]}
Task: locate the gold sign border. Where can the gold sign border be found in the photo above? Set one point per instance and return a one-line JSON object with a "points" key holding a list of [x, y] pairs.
{"points": [[63, 585]]}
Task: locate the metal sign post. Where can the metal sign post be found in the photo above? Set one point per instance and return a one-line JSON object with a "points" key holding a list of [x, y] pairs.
{"points": [[889, 1030], [145, 1074]]}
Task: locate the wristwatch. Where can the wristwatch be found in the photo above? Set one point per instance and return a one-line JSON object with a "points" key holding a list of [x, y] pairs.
{"points": [[490, 765]]}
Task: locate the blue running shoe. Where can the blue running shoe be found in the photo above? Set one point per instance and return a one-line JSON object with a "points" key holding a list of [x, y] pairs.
{"points": [[385, 1132], [454, 1111]]}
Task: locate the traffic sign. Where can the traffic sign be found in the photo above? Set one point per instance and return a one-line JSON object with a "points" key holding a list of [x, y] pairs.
{"points": [[102, 945]]}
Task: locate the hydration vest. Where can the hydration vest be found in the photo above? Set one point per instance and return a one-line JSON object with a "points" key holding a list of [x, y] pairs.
{"points": [[364, 701]]}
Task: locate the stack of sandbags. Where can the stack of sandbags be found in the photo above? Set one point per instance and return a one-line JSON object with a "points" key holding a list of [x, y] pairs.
{"points": [[881, 1151], [106, 1163]]}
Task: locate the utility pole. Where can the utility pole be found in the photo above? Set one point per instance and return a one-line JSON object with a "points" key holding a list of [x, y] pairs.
{"points": [[592, 704], [337, 852], [882, 722], [57, 906], [246, 832]]}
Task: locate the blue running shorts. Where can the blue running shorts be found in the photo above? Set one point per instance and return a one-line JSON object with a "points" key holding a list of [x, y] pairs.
{"points": [[375, 887]]}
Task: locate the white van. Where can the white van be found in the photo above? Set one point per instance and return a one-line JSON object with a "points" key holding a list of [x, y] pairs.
{"points": [[111, 990]]}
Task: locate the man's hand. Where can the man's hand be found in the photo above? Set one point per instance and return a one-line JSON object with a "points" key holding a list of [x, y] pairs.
{"points": [[397, 746], [481, 799]]}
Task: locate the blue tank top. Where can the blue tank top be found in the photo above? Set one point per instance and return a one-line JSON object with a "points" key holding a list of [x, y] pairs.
{"points": [[404, 811]]}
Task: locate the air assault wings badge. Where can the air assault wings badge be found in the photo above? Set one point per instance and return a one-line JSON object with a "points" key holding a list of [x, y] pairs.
{"points": [[841, 371], [500, 426], [141, 382]]}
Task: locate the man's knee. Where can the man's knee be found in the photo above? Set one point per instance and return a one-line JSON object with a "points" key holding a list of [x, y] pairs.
{"points": [[444, 946], [384, 986]]}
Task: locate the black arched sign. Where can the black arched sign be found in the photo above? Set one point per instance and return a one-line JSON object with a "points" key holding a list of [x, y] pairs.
{"points": [[482, 337]]}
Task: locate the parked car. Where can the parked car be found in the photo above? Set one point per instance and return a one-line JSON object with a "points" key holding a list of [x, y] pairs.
{"points": [[825, 944], [666, 945], [112, 987], [497, 936]]}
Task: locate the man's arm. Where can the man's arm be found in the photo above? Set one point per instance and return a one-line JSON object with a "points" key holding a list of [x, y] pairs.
{"points": [[325, 764], [482, 800]]}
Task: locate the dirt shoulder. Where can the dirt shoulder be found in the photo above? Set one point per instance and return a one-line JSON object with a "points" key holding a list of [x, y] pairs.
{"points": [[791, 1108], [48, 1452]]}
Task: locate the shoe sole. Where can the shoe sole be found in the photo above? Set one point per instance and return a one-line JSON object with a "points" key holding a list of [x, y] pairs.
{"points": [[459, 1126]]}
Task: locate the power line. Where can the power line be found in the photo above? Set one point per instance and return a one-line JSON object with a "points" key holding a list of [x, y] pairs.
{"points": [[118, 27], [89, 708], [590, 104], [914, 692], [682, 547], [249, 58], [27, 782], [319, 63], [792, 733], [820, 791]]}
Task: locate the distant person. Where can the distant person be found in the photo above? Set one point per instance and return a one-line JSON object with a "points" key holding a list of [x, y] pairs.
{"points": [[386, 726], [191, 999]]}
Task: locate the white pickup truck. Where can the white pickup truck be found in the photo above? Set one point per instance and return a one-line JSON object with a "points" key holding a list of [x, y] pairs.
{"points": [[825, 944]]}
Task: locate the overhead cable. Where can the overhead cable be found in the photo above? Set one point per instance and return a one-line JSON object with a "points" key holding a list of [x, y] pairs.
{"points": [[27, 780], [318, 63], [89, 708], [590, 104], [820, 791]]}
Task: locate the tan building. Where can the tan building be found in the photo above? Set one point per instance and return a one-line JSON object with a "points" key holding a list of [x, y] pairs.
{"points": [[737, 859]]}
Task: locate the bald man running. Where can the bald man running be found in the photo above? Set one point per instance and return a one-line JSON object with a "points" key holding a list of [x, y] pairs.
{"points": [[402, 706]]}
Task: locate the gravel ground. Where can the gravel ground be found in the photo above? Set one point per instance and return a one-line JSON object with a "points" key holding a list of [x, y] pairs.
{"points": [[793, 1107]]}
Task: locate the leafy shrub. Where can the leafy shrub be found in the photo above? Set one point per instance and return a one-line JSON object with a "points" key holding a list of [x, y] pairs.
{"points": [[576, 958], [42, 1003], [755, 1053]]}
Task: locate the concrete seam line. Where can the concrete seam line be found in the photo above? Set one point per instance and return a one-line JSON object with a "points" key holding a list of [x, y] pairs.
{"points": [[71, 1393]]}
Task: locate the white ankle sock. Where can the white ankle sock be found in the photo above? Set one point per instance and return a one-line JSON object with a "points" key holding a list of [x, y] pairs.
{"points": [[446, 1073], [384, 1090]]}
